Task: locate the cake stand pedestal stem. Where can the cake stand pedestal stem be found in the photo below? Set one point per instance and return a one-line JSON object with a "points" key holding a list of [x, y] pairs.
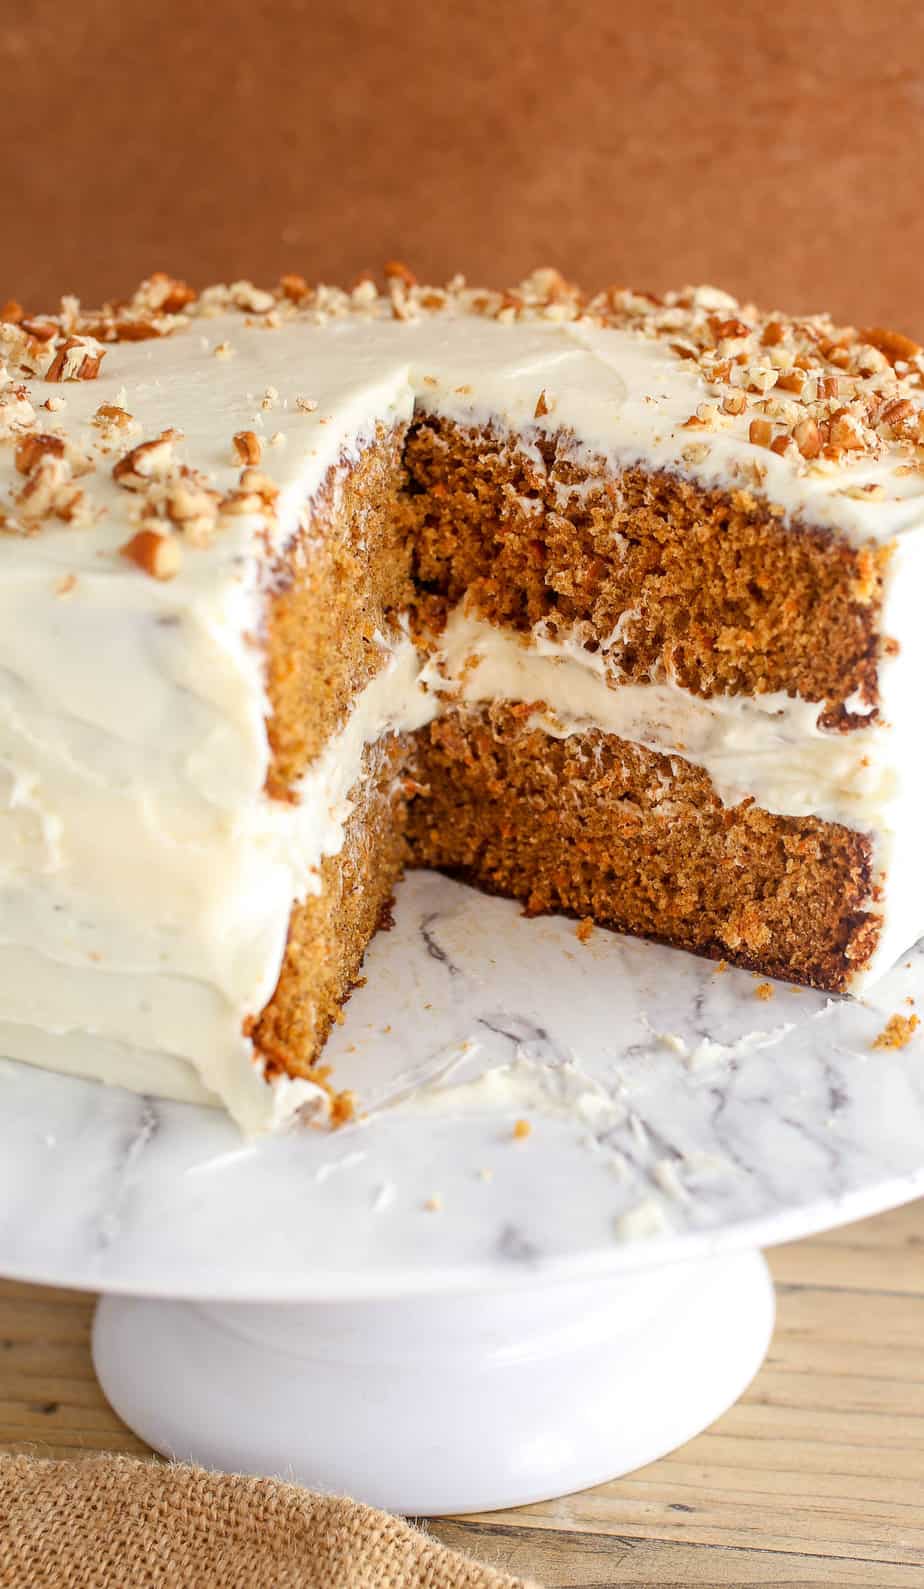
{"points": [[449, 1403]]}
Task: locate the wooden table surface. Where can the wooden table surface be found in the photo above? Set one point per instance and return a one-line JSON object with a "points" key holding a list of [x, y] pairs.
{"points": [[815, 1477]]}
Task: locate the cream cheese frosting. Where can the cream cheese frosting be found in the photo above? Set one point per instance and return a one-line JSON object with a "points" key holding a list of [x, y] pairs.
{"points": [[146, 879]]}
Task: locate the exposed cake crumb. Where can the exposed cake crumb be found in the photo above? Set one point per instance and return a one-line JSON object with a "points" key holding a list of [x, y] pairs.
{"points": [[342, 1108], [897, 1032]]}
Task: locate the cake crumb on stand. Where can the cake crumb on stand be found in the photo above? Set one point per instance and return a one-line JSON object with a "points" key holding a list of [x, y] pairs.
{"points": [[897, 1032]]}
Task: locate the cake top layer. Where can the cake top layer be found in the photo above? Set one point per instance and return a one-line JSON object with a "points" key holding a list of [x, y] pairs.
{"points": [[164, 422]]}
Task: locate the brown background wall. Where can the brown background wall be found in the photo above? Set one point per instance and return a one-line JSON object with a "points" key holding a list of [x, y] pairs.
{"points": [[775, 148]]}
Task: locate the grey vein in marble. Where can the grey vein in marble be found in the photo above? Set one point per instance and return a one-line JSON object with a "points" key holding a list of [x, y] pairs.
{"points": [[471, 1017]]}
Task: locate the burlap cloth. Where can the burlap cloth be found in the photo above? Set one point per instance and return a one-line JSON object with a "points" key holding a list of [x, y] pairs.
{"points": [[113, 1523]]}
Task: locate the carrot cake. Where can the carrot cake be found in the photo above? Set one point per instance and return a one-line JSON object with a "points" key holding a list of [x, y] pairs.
{"points": [[608, 604]]}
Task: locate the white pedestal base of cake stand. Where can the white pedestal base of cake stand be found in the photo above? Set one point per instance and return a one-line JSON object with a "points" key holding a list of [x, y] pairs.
{"points": [[443, 1404]]}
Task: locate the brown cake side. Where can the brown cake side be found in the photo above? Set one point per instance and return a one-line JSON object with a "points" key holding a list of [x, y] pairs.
{"points": [[329, 932], [342, 582], [340, 585]]}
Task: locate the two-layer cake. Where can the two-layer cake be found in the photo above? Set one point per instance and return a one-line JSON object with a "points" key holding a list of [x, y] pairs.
{"points": [[610, 605]]}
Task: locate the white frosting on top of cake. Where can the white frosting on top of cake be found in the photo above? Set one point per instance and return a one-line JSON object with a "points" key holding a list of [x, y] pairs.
{"points": [[146, 880], [627, 397]]}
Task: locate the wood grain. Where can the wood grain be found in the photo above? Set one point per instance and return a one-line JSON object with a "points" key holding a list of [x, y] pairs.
{"points": [[815, 1477]]}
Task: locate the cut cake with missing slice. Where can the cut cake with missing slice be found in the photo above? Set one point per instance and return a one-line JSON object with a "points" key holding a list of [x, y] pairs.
{"points": [[607, 604]]}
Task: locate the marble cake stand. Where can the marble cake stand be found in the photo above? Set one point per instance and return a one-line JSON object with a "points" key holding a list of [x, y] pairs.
{"points": [[422, 1309]]}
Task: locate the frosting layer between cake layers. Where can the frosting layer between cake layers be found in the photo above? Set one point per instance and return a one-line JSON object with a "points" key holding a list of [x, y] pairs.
{"points": [[146, 879]]}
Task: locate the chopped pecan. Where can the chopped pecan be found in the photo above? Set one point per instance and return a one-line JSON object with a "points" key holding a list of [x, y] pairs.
{"points": [[49, 490], [150, 460], [760, 432], [731, 329], [34, 446], [16, 411], [163, 294], [897, 413], [134, 331], [76, 359], [807, 438], [110, 414], [255, 493], [893, 344], [846, 431], [192, 506], [176, 294], [396, 270], [293, 287], [254, 480], [158, 555], [246, 447], [39, 330], [244, 295]]}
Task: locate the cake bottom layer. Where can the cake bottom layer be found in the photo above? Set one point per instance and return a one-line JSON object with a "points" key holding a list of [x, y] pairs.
{"points": [[589, 824], [602, 828]]}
